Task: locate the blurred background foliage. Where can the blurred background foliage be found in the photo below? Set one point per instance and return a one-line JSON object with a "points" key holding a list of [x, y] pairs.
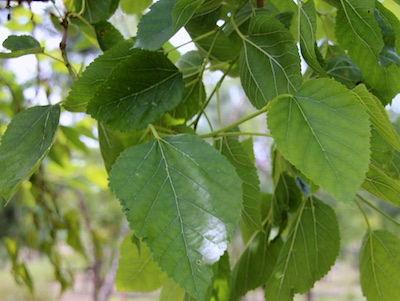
{"points": [[60, 233]]}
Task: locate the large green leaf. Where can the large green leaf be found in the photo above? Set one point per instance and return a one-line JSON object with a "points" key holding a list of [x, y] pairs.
{"points": [[255, 265], [183, 207], [308, 41], [380, 266], [344, 70], [95, 74], [231, 148], [324, 131], [137, 92], [137, 272], [378, 116], [380, 184], [171, 291], [165, 18], [308, 253], [19, 46], [26, 141], [269, 62]]}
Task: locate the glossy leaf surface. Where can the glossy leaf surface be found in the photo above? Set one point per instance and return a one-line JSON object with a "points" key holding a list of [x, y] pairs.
{"points": [[137, 92], [380, 266], [137, 272], [184, 208], [324, 130], [269, 62], [311, 249], [26, 141]]}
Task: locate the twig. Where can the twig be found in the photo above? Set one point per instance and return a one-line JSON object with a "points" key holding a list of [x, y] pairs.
{"points": [[63, 46], [260, 3]]}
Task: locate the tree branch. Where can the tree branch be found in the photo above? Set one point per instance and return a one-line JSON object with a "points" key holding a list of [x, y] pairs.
{"points": [[260, 3], [63, 46]]}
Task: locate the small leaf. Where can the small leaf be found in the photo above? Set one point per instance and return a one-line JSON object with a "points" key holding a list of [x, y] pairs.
{"points": [[310, 249], [194, 95], [269, 62], [219, 289], [19, 46], [378, 116], [231, 148], [380, 184], [15, 43], [255, 265], [164, 19], [380, 266], [185, 209], [137, 92], [137, 272], [324, 130], [107, 35], [95, 74], [26, 141], [308, 41]]}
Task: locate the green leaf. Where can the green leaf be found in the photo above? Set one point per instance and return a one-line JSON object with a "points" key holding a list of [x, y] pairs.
{"points": [[269, 62], [219, 289], [308, 41], [97, 10], [26, 141], [380, 184], [15, 43], [231, 148], [344, 70], [19, 46], [138, 92], [324, 130], [378, 116], [255, 265], [359, 32], [137, 272], [171, 291], [194, 95], [379, 265], [107, 35], [185, 209], [310, 249], [134, 7], [96, 74], [114, 142], [165, 18]]}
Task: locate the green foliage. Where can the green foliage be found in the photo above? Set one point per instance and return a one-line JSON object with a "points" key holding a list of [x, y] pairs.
{"points": [[174, 148]]}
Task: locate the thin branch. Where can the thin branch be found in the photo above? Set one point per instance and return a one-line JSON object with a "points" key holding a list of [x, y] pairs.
{"points": [[63, 46], [260, 3]]}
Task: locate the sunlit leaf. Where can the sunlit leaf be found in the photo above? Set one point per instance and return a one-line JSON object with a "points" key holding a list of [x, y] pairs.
{"points": [[184, 208], [137, 272], [164, 19], [324, 130], [26, 141], [308, 253], [379, 265], [171, 291], [134, 7], [269, 62], [137, 92], [219, 289], [95, 74]]}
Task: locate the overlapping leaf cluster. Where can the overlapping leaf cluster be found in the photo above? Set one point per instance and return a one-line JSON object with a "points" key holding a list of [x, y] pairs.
{"points": [[183, 197]]}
